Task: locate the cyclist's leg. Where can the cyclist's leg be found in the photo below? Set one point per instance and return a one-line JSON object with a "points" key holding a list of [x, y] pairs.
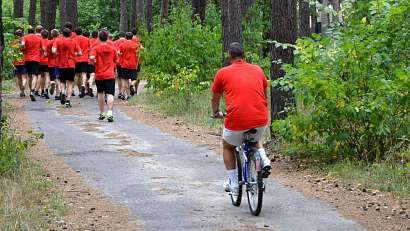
{"points": [[257, 137], [231, 139]]}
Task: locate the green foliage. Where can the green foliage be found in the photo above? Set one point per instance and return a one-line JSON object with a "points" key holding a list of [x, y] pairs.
{"points": [[352, 90], [181, 56]]}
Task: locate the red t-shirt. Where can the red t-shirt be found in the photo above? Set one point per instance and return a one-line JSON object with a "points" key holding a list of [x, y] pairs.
{"points": [[84, 44], [17, 62], [129, 54], [52, 59], [244, 87], [32, 44], [105, 59], [44, 53], [66, 52], [117, 45]]}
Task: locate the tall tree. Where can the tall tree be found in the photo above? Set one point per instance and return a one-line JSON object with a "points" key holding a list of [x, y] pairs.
{"points": [[231, 22], [123, 16], [164, 10], [324, 17], [48, 20], [63, 13], [304, 18], [283, 31], [140, 12], [199, 7], [71, 12], [18, 8], [148, 15], [1, 65], [32, 13], [133, 19]]}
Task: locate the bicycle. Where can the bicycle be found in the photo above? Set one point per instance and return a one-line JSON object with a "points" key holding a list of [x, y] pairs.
{"points": [[249, 174]]}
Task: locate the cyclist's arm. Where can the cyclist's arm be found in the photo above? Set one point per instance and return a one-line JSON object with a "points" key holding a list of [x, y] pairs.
{"points": [[216, 99]]}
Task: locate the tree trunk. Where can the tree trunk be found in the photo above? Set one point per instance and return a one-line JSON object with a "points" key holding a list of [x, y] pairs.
{"points": [[148, 18], [324, 18], [199, 7], [231, 22], [283, 31], [18, 8], [63, 13], [313, 22], [164, 10], [140, 12], [50, 14], [304, 19], [133, 20], [123, 16], [32, 13], [71, 12], [43, 6], [1, 68]]}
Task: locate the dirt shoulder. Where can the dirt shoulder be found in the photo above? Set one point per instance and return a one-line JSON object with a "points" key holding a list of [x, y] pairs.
{"points": [[371, 209], [89, 208]]}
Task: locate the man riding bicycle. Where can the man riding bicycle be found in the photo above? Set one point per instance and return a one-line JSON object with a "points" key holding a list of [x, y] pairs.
{"points": [[244, 86]]}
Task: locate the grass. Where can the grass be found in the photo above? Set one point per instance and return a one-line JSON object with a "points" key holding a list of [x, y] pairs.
{"points": [[385, 177], [9, 85], [195, 109]]}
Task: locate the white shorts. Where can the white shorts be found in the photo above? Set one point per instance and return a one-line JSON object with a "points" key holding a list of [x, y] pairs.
{"points": [[236, 138]]}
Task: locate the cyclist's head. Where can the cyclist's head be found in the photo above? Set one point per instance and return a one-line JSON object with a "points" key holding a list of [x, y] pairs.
{"points": [[236, 51], [128, 35]]}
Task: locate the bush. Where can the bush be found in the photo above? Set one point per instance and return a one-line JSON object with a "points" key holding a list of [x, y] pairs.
{"points": [[352, 90]]}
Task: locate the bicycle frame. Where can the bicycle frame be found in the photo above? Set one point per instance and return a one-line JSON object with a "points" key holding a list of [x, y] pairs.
{"points": [[247, 153]]}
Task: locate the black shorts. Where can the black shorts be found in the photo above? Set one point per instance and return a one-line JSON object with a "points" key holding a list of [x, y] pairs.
{"points": [[119, 71], [67, 74], [53, 72], [91, 69], [106, 86], [20, 70], [33, 68], [81, 67], [129, 74], [43, 69]]}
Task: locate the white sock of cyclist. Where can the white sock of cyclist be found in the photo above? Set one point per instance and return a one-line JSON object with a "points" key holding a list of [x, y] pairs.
{"points": [[262, 154], [233, 177]]}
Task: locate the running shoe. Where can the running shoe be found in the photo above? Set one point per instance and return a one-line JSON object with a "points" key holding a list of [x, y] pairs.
{"points": [[90, 92], [52, 88], [82, 92], [231, 189], [62, 99], [132, 91], [46, 96], [36, 93], [121, 96], [22, 94], [57, 97], [68, 104], [110, 119], [103, 116], [73, 94], [32, 97]]}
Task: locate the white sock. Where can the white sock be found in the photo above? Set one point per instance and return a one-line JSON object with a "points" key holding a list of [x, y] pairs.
{"points": [[109, 113], [233, 177], [262, 153]]}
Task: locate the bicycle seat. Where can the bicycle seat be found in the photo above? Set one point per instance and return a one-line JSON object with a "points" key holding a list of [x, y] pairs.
{"points": [[251, 131]]}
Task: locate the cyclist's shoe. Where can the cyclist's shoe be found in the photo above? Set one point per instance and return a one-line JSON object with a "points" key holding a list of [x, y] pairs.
{"points": [[266, 167], [110, 118], [231, 189]]}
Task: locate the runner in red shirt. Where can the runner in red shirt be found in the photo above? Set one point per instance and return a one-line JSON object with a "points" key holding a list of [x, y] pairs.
{"points": [[244, 86], [45, 78], [88, 88], [20, 70], [136, 82], [105, 57], [94, 41], [52, 66], [117, 44], [66, 50], [31, 44], [81, 62], [128, 51]]}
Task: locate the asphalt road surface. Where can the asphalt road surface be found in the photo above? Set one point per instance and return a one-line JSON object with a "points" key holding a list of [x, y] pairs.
{"points": [[167, 183]]}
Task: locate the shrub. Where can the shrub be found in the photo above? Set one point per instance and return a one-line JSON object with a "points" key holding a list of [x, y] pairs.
{"points": [[352, 90]]}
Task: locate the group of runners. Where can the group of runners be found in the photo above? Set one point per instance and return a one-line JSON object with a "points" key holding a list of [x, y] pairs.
{"points": [[51, 63]]}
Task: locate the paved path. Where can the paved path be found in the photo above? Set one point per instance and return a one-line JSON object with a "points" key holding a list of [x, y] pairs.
{"points": [[167, 183]]}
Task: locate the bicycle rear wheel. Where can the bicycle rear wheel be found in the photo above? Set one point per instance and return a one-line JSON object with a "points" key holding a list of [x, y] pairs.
{"points": [[255, 187], [237, 199]]}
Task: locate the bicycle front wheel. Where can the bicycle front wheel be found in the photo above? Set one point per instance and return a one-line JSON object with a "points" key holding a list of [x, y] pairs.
{"points": [[237, 199], [255, 187]]}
